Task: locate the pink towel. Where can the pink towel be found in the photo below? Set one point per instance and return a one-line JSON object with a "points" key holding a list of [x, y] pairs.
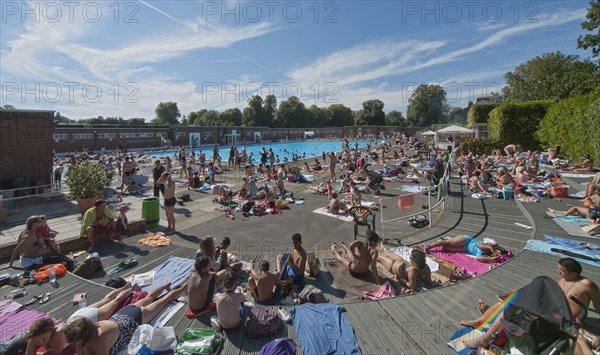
{"points": [[469, 265], [16, 318], [405, 202], [385, 291]]}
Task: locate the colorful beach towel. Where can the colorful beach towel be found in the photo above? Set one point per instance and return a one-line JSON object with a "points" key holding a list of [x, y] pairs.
{"points": [[385, 291], [324, 329], [583, 256], [175, 270], [575, 244], [470, 266], [16, 318]]}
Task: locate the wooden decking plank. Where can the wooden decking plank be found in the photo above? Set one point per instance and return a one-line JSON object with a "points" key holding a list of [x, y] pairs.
{"points": [[362, 331], [388, 330]]}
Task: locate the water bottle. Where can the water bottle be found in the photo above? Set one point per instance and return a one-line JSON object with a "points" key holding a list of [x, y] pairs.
{"points": [[21, 281], [52, 274], [82, 301]]}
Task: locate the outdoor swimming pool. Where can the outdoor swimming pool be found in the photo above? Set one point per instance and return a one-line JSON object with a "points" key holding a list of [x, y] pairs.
{"points": [[283, 149]]}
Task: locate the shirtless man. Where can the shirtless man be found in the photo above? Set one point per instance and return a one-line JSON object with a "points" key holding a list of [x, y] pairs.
{"points": [[128, 166], [336, 206], [297, 262], [361, 257], [585, 165], [511, 149], [169, 195], [572, 284], [261, 284], [201, 284]]}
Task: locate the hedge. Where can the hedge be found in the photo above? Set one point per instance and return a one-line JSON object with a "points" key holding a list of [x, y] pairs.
{"points": [[479, 113], [517, 123], [573, 125], [479, 146]]}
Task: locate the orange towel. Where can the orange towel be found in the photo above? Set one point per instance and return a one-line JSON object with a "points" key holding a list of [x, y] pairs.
{"points": [[191, 314], [405, 202]]}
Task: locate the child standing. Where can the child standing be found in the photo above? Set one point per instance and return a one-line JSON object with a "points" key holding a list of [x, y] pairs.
{"points": [[121, 227]]}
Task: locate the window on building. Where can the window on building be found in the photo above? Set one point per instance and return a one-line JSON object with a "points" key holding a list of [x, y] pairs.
{"points": [[83, 136], [107, 135], [61, 137]]}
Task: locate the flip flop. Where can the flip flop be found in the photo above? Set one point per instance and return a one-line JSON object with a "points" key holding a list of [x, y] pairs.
{"points": [[33, 300], [123, 265], [45, 298]]}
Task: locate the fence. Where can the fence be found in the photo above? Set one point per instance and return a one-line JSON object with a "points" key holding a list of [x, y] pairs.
{"points": [[17, 205], [432, 198]]}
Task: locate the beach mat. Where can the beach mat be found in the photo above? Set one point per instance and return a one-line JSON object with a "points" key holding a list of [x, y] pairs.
{"points": [[575, 244], [349, 287], [461, 337], [175, 270], [581, 255], [166, 314], [16, 318], [323, 211], [324, 329], [572, 226], [578, 175]]}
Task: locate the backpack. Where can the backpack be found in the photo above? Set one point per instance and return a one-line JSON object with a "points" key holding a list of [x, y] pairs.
{"points": [[88, 267], [283, 346], [311, 294], [185, 197], [418, 221], [247, 206], [262, 322]]}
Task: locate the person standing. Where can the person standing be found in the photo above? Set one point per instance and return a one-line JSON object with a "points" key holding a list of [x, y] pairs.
{"points": [[156, 174], [169, 195]]}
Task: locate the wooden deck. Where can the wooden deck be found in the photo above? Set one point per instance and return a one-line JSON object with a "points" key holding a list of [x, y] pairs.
{"points": [[413, 324]]}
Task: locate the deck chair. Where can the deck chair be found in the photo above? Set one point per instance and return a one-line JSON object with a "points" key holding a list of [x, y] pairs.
{"points": [[362, 216]]}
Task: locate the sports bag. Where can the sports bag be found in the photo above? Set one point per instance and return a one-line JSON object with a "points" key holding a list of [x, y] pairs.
{"points": [[262, 322]]}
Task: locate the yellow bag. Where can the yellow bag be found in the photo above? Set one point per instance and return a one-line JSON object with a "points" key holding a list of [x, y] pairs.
{"points": [[281, 204]]}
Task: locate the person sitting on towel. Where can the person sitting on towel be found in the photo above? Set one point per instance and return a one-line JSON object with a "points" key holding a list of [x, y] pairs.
{"points": [[361, 257], [484, 252], [415, 272], [261, 284], [201, 284], [297, 262], [336, 206], [571, 283], [585, 164]]}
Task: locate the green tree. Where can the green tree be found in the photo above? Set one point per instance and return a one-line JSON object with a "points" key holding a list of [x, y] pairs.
{"points": [[8, 107], [192, 117], [371, 113], [319, 117], [395, 118], [254, 113], [427, 106], [167, 113], [270, 109], [184, 120], [209, 118], [591, 40], [552, 76], [136, 122], [293, 113], [340, 115], [458, 115], [496, 98], [198, 119], [231, 117]]}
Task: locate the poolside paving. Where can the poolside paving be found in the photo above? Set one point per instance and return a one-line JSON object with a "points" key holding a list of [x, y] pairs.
{"points": [[413, 324]]}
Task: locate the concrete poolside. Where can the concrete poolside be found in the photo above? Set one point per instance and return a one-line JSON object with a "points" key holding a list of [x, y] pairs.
{"points": [[420, 323]]}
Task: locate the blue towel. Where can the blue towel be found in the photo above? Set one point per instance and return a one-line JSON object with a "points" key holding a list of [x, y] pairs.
{"points": [[541, 246], [575, 244], [175, 270], [324, 329]]}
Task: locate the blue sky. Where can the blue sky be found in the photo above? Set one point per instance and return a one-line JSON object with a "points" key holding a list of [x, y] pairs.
{"points": [[90, 58]]}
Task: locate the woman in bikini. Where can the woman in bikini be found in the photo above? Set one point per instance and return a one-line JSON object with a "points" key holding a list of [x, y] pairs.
{"points": [[415, 272], [484, 252]]}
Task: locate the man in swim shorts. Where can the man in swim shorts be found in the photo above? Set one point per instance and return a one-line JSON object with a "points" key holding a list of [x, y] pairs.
{"points": [[361, 257]]}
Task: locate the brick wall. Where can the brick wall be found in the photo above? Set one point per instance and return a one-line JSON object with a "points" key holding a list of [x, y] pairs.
{"points": [[25, 148]]}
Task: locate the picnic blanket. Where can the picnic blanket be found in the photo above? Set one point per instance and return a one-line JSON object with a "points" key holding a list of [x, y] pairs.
{"points": [[347, 286], [324, 329], [576, 244], [175, 270], [323, 211], [404, 253], [16, 318], [470, 266], [581, 255]]}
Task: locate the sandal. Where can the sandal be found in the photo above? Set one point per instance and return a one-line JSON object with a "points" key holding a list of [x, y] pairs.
{"points": [[33, 300], [45, 298]]}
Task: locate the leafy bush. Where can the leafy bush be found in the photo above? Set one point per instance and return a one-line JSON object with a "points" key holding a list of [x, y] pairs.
{"points": [[517, 122], [573, 125], [88, 180], [479, 113], [479, 146]]}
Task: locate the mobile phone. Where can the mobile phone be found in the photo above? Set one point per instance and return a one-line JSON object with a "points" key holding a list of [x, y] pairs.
{"points": [[77, 297]]}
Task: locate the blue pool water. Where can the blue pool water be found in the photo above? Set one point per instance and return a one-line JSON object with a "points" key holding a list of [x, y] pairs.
{"points": [[283, 149]]}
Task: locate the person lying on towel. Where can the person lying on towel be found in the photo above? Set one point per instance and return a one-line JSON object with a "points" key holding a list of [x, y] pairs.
{"points": [[483, 252], [592, 212], [361, 257]]}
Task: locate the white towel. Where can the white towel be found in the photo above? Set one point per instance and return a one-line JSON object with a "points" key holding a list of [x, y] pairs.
{"points": [[167, 313], [404, 253], [489, 241]]}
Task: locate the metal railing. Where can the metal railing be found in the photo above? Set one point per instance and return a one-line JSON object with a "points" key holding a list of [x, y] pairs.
{"points": [[440, 191], [16, 205]]}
